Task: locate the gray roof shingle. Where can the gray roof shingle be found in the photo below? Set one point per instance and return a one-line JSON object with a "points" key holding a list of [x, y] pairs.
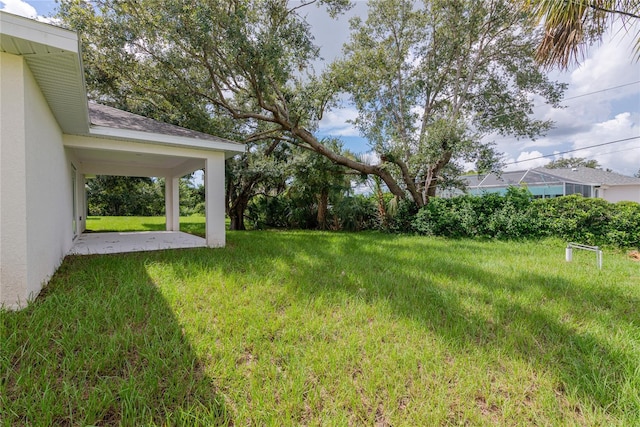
{"points": [[102, 115], [586, 175], [538, 176]]}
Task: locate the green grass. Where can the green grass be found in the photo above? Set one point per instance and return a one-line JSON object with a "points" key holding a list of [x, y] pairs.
{"points": [[331, 329], [188, 224]]}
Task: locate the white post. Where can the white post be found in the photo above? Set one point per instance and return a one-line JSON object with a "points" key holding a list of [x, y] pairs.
{"points": [[172, 203], [214, 200], [568, 254], [599, 258]]}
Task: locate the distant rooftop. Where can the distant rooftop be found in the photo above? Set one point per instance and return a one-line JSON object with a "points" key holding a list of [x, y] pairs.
{"points": [[593, 176], [102, 115], [515, 178], [544, 176]]}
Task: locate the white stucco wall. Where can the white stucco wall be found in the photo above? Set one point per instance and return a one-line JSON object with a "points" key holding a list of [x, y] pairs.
{"points": [[621, 193], [13, 208], [36, 198], [49, 195]]}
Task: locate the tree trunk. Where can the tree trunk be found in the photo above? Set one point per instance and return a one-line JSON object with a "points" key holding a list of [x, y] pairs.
{"points": [[382, 210], [236, 213], [323, 206], [432, 182]]}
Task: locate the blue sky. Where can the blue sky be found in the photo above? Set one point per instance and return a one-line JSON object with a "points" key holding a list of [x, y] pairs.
{"points": [[602, 101]]}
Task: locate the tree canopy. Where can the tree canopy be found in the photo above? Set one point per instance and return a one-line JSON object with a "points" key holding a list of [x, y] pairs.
{"points": [[442, 74], [430, 81], [572, 162]]}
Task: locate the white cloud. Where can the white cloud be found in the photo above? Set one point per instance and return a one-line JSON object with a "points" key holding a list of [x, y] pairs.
{"points": [[19, 7], [25, 9], [370, 158], [526, 160], [592, 118], [335, 122], [622, 157], [609, 64]]}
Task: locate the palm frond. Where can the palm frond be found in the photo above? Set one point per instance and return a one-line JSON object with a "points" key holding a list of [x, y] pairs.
{"points": [[571, 25]]}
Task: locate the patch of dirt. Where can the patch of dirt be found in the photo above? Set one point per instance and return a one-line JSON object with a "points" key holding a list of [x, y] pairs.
{"points": [[403, 403], [634, 255], [490, 411], [245, 358], [381, 419]]}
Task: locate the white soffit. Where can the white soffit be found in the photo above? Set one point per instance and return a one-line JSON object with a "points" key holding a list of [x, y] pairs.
{"points": [[52, 54], [230, 148]]}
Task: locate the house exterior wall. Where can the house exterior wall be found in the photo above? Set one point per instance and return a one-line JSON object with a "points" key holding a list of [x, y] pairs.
{"points": [[13, 200], [621, 193], [49, 192], [36, 192]]}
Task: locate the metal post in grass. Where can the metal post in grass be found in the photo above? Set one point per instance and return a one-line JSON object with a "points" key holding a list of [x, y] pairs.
{"points": [[571, 246]]}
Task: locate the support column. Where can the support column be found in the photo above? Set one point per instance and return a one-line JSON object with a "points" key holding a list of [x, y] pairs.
{"points": [[172, 202], [214, 200], [83, 199]]}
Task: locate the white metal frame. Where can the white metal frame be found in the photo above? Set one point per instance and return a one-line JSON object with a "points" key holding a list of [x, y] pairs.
{"points": [[597, 250]]}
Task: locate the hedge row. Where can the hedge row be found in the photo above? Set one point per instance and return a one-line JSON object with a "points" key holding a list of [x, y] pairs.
{"points": [[517, 215]]}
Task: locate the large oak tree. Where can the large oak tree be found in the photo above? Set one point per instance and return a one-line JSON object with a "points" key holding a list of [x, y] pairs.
{"points": [[460, 69]]}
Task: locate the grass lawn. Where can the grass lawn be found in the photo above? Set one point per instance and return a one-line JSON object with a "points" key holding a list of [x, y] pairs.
{"points": [[330, 329], [188, 224]]}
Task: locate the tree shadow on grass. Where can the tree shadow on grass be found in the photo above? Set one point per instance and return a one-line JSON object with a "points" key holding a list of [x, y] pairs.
{"points": [[100, 346], [429, 288]]}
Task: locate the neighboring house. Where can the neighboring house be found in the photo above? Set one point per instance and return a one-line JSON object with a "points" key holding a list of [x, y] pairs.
{"points": [[51, 138], [545, 183]]}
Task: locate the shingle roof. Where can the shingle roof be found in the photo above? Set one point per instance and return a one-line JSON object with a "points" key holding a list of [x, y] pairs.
{"points": [[580, 175], [102, 115], [586, 175], [530, 177]]}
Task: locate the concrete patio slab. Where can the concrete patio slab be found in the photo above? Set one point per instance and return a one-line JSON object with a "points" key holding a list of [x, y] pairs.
{"points": [[113, 243]]}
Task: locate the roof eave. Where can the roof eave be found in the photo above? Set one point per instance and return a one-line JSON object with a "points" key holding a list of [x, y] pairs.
{"points": [[229, 148], [53, 56]]}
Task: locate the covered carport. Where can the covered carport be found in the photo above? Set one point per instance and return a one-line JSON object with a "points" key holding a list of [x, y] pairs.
{"points": [[126, 144]]}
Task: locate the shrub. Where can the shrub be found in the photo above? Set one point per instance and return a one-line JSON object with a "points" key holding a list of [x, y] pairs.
{"points": [[354, 213], [516, 215], [584, 220], [624, 225]]}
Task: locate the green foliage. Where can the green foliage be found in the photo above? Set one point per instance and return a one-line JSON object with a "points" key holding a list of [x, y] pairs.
{"points": [[430, 79], [515, 215], [205, 64], [572, 162], [571, 26], [403, 215], [591, 221], [120, 195], [280, 212], [191, 197], [355, 213], [262, 169], [319, 181], [133, 196], [349, 213], [490, 216]]}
